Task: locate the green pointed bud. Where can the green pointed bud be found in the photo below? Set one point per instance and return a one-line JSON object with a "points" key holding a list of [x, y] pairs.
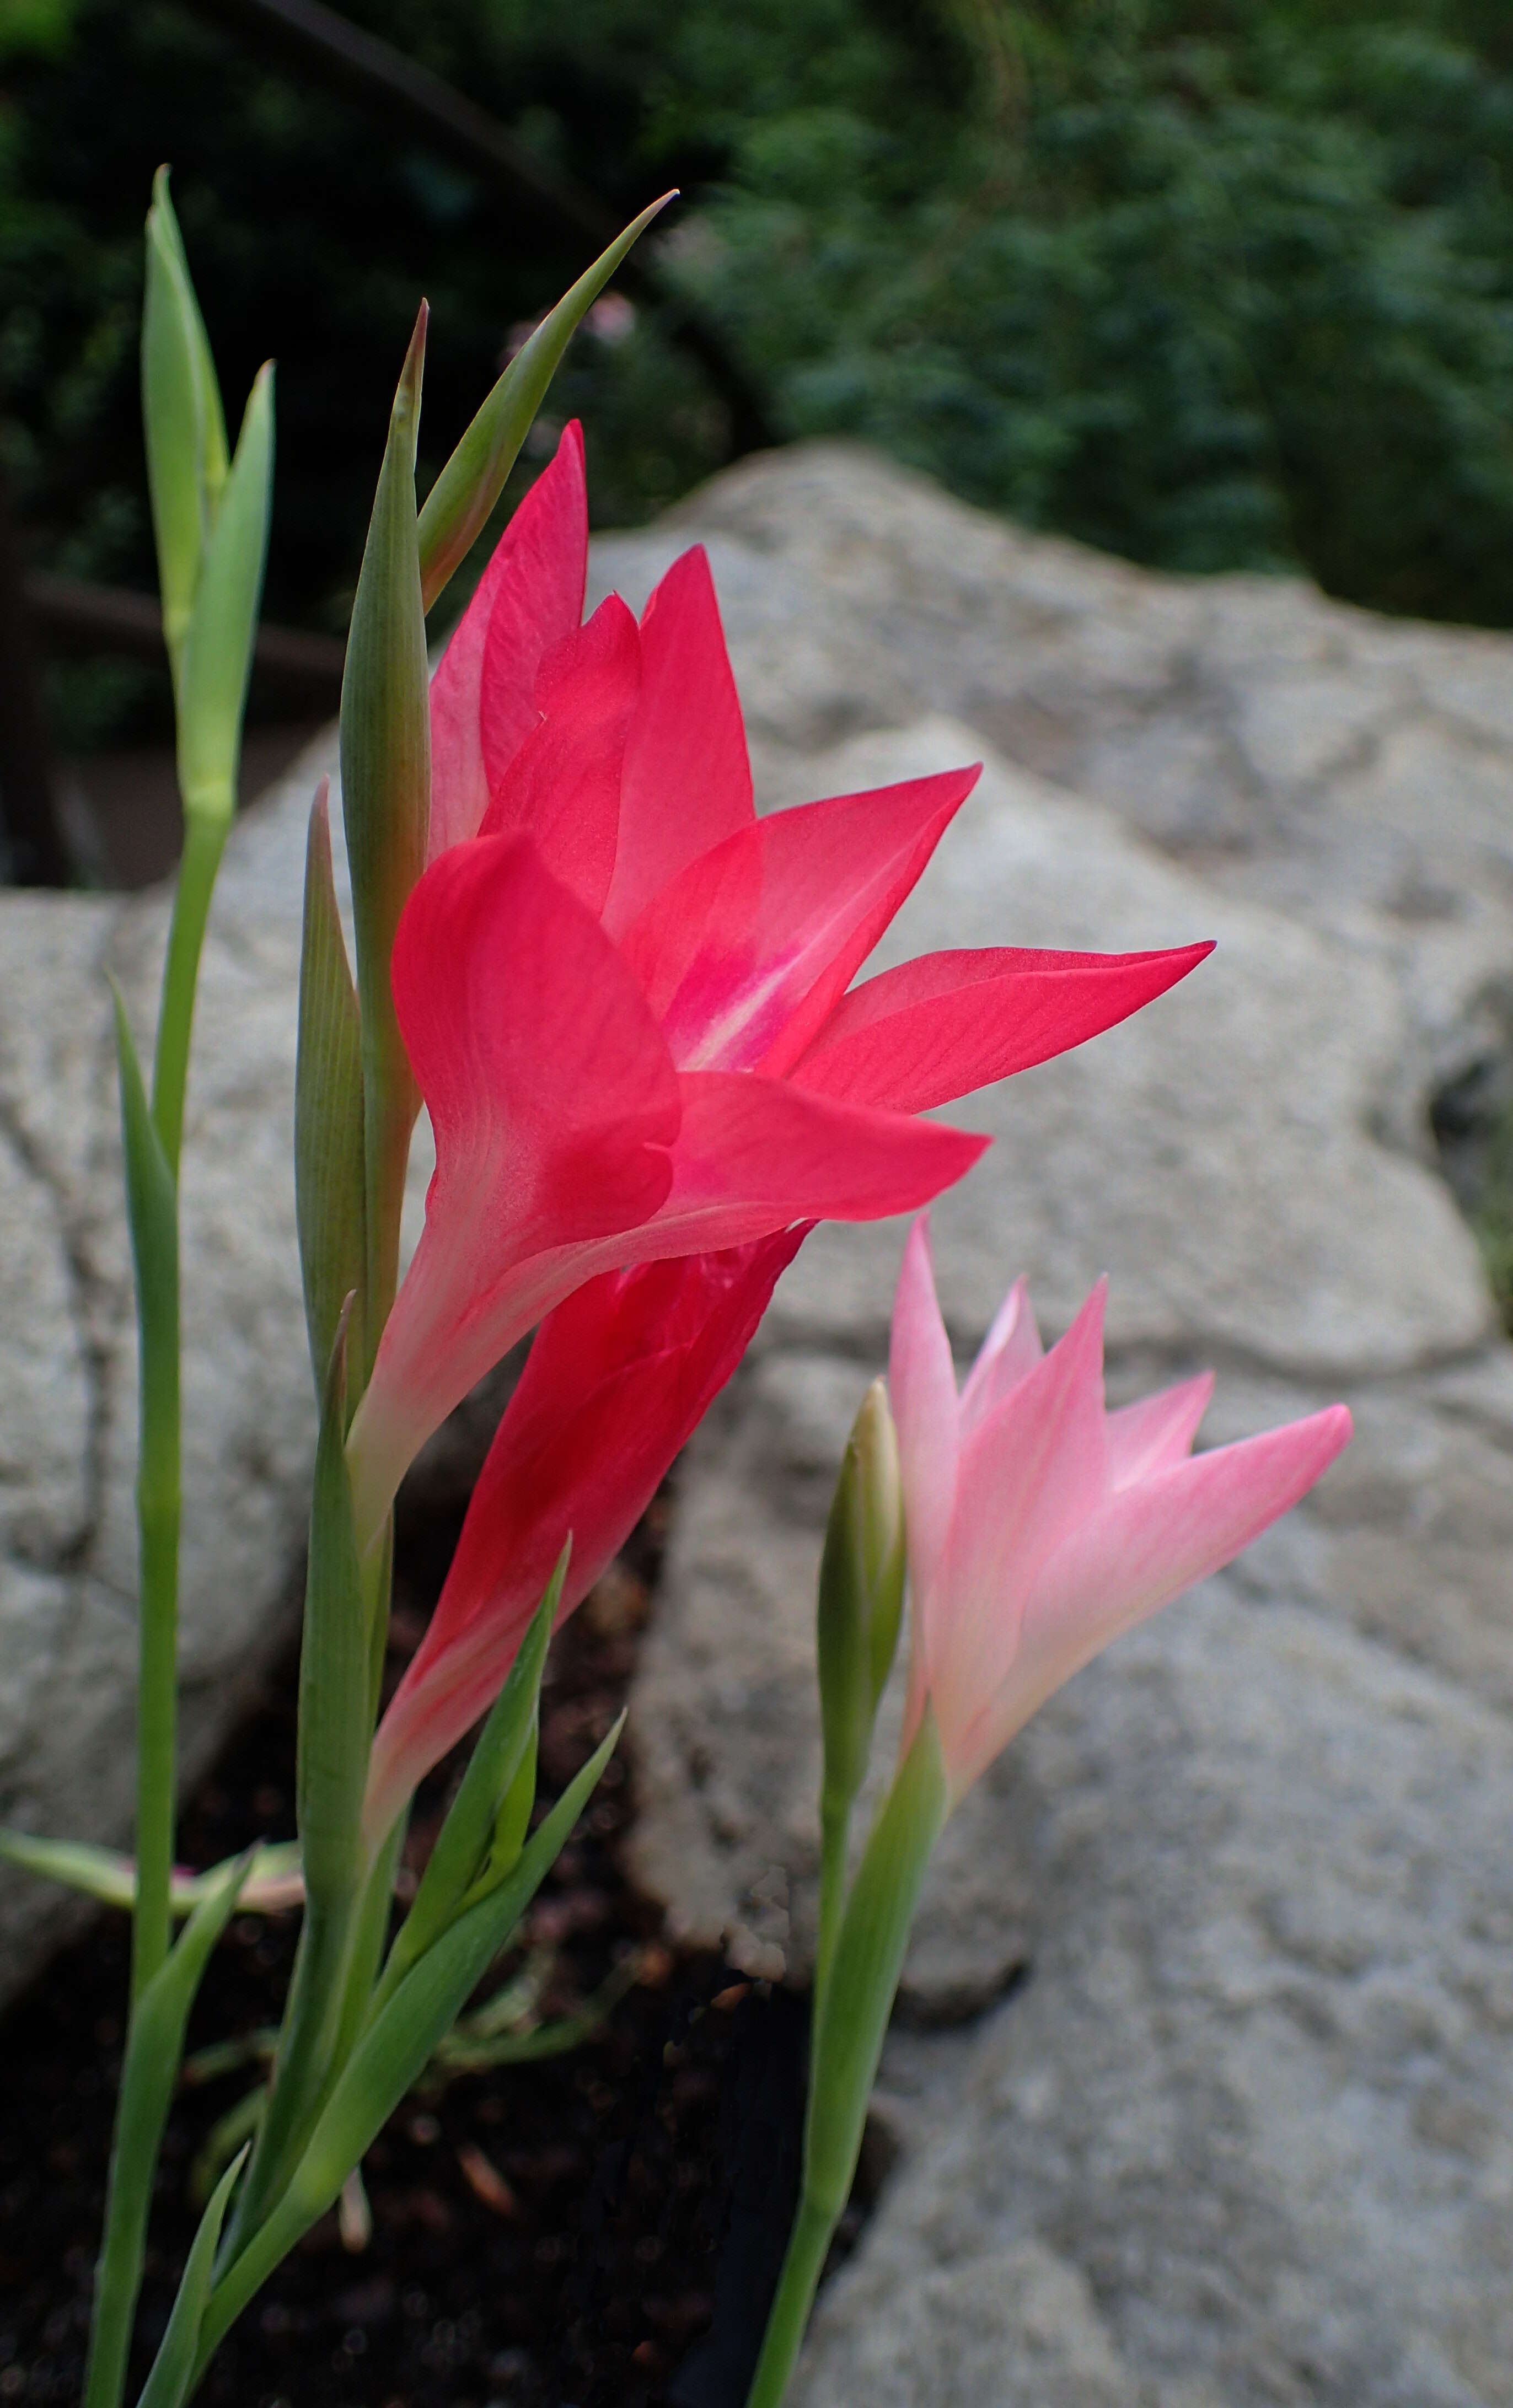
{"points": [[186, 436], [860, 1595], [386, 804], [459, 502], [329, 1109], [216, 661]]}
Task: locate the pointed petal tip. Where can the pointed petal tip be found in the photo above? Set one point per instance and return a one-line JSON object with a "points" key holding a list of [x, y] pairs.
{"points": [[915, 1303]]}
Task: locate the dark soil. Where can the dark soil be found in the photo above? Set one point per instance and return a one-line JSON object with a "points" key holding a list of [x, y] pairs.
{"points": [[599, 2227]]}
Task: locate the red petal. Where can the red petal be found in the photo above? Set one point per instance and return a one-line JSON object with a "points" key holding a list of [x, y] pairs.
{"points": [[687, 779], [562, 789], [753, 1154], [746, 953], [616, 1382], [553, 1103], [530, 596], [535, 608], [940, 1027]]}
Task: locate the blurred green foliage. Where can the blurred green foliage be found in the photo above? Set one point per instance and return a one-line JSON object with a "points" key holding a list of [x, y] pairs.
{"points": [[1212, 283]]}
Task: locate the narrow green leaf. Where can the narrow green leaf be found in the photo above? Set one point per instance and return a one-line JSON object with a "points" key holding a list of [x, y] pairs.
{"points": [[328, 1106], [487, 2040], [459, 502], [385, 802], [99, 1873], [154, 2045], [182, 418], [467, 1836], [513, 1821], [400, 2042], [171, 2379], [217, 656], [105, 1875], [394, 2051]]}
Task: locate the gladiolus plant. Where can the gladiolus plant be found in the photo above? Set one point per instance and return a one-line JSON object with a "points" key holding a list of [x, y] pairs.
{"points": [[1037, 1527], [633, 1010]]}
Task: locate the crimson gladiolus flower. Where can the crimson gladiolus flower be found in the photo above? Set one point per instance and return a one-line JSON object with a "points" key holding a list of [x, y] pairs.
{"points": [[627, 1001], [616, 1381], [1040, 1526]]}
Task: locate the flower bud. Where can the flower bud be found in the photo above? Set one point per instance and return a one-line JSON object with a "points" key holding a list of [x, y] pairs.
{"points": [[186, 437], [860, 1595]]}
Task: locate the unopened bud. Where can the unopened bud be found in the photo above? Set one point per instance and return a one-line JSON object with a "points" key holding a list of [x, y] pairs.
{"points": [[860, 1595]]}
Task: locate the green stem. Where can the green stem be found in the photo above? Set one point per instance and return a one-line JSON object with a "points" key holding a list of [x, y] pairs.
{"points": [[329, 2007], [158, 1483], [157, 1694], [303, 2069], [850, 2020], [807, 2247], [366, 1994], [205, 835], [834, 1831]]}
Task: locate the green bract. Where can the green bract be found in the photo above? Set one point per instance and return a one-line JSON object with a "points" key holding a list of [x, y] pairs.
{"points": [[459, 502], [860, 1608], [328, 1111], [181, 415], [386, 806]]}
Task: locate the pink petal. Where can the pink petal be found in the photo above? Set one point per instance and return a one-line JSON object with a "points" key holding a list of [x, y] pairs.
{"points": [[1150, 1542], [946, 1024], [562, 789], [1156, 1431], [922, 1394], [1011, 1348], [530, 596], [1031, 1474], [615, 1383], [746, 951], [553, 1103], [687, 783]]}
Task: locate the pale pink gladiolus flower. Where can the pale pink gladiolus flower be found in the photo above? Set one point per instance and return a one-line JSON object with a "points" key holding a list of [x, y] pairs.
{"points": [[1040, 1525]]}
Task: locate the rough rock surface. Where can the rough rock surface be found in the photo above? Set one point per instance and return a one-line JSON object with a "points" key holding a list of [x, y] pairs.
{"points": [[68, 1345], [1245, 2134], [1245, 2131]]}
